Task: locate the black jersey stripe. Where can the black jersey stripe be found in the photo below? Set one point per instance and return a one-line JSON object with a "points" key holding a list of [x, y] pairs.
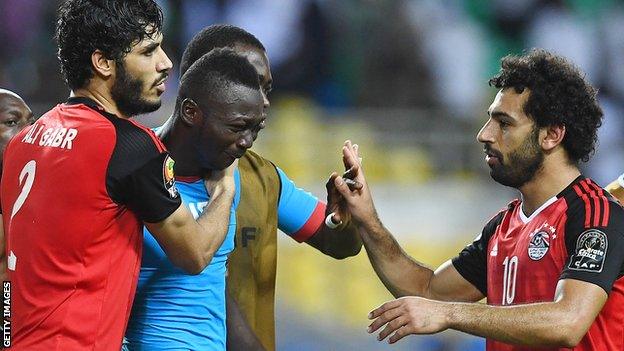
{"points": [[605, 202], [585, 198], [596, 204]]}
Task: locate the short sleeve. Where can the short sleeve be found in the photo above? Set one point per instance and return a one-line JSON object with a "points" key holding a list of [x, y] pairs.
{"points": [[299, 213], [596, 253], [471, 262], [140, 173], [152, 193]]}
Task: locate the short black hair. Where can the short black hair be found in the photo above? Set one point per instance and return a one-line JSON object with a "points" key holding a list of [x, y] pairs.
{"points": [[559, 95], [213, 74], [216, 36], [112, 26]]}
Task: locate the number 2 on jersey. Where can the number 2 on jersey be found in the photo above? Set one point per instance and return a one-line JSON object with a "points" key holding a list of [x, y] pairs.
{"points": [[29, 172], [509, 279]]}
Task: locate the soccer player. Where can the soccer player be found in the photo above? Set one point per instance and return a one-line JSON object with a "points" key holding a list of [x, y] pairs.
{"points": [[80, 182], [15, 115], [218, 115], [269, 200], [550, 264]]}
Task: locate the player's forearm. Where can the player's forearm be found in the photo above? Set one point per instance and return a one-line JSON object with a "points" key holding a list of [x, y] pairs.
{"points": [[214, 221], [401, 274], [337, 243], [541, 324], [240, 336]]}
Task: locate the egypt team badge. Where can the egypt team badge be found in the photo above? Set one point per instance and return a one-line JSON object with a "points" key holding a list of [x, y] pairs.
{"points": [[538, 246]]}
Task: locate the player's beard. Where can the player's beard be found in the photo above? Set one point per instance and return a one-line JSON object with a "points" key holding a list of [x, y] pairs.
{"points": [[520, 166], [127, 94]]}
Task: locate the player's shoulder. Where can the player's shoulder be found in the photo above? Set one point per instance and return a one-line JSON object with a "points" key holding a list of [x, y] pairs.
{"points": [[251, 158], [495, 221], [592, 206], [129, 134], [251, 162], [135, 136]]}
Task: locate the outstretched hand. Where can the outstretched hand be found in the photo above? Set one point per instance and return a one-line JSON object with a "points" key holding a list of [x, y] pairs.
{"points": [[408, 315], [349, 193], [335, 202]]}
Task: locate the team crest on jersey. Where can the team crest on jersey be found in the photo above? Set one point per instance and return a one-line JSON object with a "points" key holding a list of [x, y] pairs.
{"points": [[538, 246], [590, 253], [169, 177]]}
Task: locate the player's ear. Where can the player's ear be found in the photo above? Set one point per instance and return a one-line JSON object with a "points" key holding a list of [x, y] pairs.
{"points": [[190, 112], [552, 136], [101, 65]]}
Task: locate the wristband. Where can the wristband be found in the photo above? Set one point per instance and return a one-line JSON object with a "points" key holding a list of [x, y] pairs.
{"points": [[330, 223]]}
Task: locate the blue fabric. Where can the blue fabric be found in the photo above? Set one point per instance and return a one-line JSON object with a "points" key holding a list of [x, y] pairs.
{"points": [[176, 311], [295, 205]]}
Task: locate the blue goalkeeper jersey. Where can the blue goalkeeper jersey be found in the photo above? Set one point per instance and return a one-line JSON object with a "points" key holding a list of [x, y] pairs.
{"points": [[176, 311]]}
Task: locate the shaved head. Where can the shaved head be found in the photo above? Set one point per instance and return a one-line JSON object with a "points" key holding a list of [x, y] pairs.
{"points": [[9, 94], [15, 115]]}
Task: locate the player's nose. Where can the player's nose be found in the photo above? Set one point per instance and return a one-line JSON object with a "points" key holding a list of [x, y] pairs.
{"points": [[486, 135]]}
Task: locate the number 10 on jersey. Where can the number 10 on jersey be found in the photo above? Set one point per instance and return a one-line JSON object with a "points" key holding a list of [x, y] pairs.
{"points": [[510, 272]]}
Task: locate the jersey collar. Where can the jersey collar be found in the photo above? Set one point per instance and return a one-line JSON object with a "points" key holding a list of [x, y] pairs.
{"points": [[526, 219], [548, 202], [77, 100]]}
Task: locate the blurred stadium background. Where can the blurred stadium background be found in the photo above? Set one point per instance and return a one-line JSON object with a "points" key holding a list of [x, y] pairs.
{"points": [[407, 80]]}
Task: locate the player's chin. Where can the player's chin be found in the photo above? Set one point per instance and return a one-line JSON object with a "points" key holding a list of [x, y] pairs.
{"points": [[224, 161]]}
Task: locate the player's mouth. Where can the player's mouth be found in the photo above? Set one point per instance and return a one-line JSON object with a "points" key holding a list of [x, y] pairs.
{"points": [[160, 84], [160, 88], [235, 155], [492, 158]]}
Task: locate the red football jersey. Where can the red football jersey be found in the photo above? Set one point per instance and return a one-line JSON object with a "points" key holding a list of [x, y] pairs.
{"points": [[75, 187], [576, 235]]}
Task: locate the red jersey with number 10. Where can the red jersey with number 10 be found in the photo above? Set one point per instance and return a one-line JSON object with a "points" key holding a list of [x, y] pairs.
{"points": [[72, 213], [575, 235]]}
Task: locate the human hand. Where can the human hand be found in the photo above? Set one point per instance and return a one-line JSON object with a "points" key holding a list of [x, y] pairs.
{"points": [[355, 198], [408, 315], [220, 180], [336, 205]]}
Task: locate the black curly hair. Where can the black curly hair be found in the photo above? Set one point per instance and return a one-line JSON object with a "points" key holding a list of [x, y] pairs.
{"points": [[213, 74], [216, 36], [112, 26], [559, 95]]}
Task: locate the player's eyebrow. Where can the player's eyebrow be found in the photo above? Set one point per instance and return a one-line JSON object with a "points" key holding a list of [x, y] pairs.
{"points": [[499, 115], [150, 47]]}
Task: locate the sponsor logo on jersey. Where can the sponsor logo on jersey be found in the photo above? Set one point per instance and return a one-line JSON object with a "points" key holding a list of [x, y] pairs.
{"points": [[494, 251], [538, 246], [169, 177], [590, 253]]}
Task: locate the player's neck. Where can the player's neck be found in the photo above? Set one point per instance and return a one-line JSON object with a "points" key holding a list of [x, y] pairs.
{"points": [[176, 139], [548, 181], [101, 96]]}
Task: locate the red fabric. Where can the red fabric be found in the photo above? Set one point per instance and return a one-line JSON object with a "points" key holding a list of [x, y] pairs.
{"points": [[187, 179], [536, 280], [78, 253], [313, 224]]}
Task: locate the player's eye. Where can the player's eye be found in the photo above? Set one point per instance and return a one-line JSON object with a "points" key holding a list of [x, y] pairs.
{"points": [[10, 123]]}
